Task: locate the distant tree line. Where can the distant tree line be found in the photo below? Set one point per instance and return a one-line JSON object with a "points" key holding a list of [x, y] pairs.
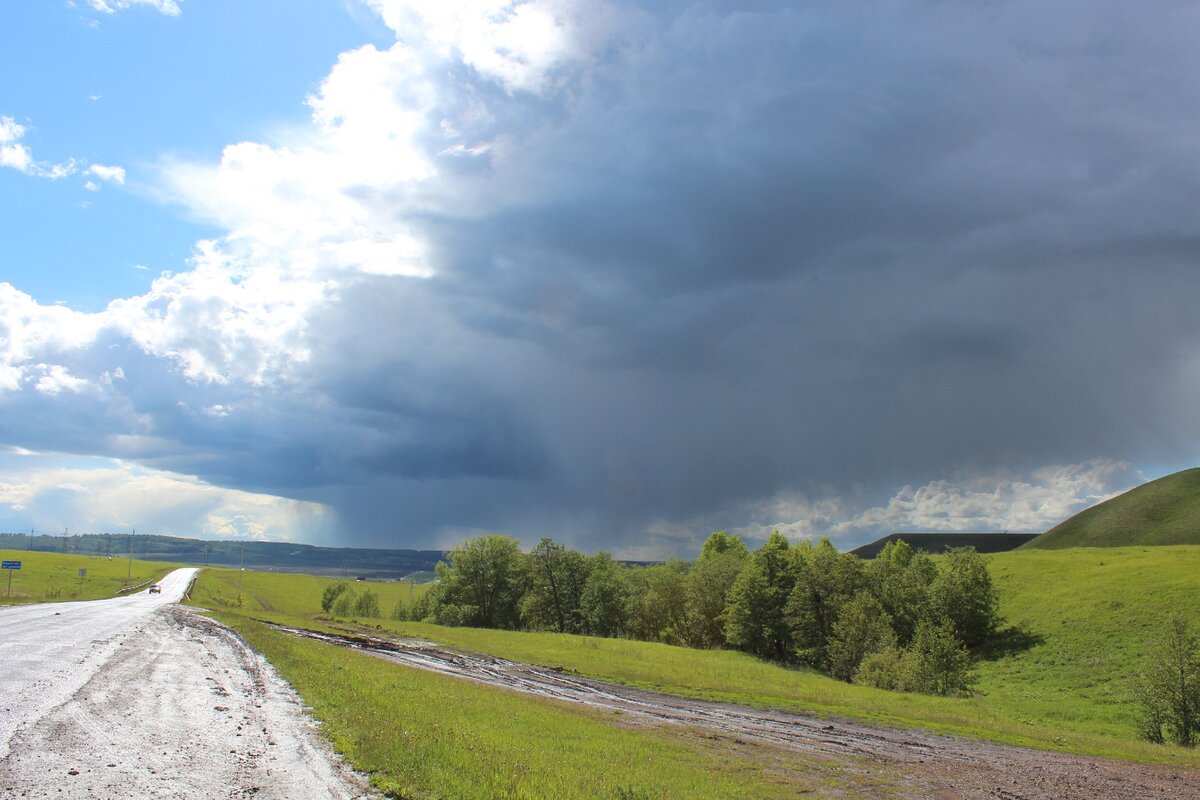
{"points": [[901, 621]]}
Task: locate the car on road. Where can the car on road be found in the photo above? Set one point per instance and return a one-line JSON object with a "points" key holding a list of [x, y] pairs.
{"points": [[156, 589]]}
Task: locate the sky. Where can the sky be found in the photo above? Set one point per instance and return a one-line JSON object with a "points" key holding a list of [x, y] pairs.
{"points": [[394, 274]]}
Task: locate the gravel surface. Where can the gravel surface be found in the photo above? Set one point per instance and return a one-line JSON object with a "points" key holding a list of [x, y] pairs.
{"points": [[138, 697], [933, 765]]}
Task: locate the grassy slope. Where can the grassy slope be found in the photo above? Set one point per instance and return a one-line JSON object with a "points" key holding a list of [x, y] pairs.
{"points": [[53, 576], [291, 594], [1162, 512], [1088, 614], [424, 735]]}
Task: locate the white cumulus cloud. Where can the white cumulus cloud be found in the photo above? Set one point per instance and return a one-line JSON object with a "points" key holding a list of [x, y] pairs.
{"points": [[169, 7], [108, 173]]}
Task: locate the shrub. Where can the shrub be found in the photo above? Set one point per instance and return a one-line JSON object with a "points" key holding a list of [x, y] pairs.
{"points": [[883, 670], [1167, 693], [935, 663]]}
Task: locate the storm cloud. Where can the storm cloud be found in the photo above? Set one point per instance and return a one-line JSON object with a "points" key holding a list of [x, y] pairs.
{"points": [[621, 274]]}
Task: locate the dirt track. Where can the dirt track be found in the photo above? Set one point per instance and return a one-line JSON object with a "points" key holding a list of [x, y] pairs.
{"points": [[141, 698], [943, 767]]}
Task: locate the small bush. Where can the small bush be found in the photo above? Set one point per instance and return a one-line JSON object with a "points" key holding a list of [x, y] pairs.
{"points": [[883, 670], [1167, 693], [935, 663]]}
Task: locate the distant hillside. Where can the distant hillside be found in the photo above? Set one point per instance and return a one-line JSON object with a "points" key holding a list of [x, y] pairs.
{"points": [[935, 543], [1163, 511], [280, 556]]}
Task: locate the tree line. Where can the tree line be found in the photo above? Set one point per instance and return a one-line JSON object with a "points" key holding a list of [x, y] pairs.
{"points": [[901, 621]]}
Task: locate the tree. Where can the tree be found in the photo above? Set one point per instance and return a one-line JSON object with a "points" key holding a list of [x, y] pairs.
{"points": [[721, 543], [825, 580], [963, 594], [937, 662], [482, 586], [555, 578], [901, 580], [755, 620], [1167, 692], [367, 604], [604, 597], [657, 603], [331, 594], [862, 628], [709, 580]]}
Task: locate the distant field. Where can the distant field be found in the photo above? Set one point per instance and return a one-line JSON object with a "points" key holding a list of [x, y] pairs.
{"points": [[287, 593], [1162, 512], [46, 577], [427, 576], [1083, 617]]}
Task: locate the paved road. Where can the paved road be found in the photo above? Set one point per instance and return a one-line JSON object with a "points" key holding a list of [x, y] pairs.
{"points": [[139, 697]]}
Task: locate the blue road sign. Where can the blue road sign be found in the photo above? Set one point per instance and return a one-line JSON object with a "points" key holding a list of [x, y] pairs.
{"points": [[10, 565]]}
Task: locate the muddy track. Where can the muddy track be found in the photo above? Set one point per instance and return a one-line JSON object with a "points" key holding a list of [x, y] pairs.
{"points": [[945, 767]]}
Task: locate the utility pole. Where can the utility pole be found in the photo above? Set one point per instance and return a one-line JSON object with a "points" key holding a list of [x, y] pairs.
{"points": [[30, 548], [242, 570], [66, 531], [129, 569]]}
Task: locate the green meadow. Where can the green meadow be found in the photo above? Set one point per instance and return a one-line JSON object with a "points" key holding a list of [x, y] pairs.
{"points": [[1080, 621], [422, 735], [48, 577]]}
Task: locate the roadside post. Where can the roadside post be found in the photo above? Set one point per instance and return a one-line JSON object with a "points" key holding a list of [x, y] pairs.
{"points": [[82, 575], [11, 566]]}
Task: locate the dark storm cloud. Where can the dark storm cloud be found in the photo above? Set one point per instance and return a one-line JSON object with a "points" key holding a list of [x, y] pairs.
{"points": [[776, 250]]}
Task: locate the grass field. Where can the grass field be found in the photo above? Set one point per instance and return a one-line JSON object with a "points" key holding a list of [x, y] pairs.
{"points": [[46, 577], [419, 735], [291, 594], [1083, 618], [1165, 511]]}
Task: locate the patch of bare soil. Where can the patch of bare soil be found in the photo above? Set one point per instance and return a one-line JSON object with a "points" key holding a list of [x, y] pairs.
{"points": [[936, 765]]}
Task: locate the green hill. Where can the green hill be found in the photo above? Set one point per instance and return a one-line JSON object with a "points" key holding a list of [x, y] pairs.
{"points": [[1163, 511]]}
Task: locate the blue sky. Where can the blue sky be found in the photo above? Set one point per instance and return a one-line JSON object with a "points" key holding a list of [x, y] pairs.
{"points": [[385, 272], [163, 87]]}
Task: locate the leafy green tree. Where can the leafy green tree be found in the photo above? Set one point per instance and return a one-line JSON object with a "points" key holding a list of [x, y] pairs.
{"points": [[963, 593], [367, 604], [755, 620], [709, 580], [1167, 692], [657, 609], [483, 584], [331, 594], [862, 628], [937, 662], [343, 606], [901, 580], [825, 581], [722, 543], [604, 597], [555, 579]]}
